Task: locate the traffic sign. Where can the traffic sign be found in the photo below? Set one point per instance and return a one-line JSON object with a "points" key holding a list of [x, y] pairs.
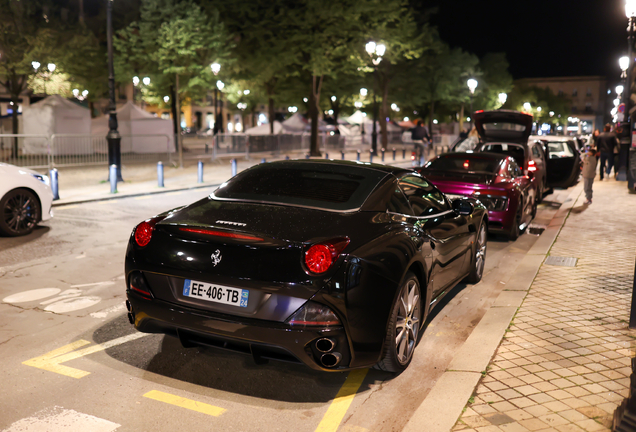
{"points": [[621, 108]]}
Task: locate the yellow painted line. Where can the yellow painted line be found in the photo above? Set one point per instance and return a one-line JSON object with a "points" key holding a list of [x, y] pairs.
{"points": [[338, 408], [185, 403], [104, 202], [67, 207], [51, 361], [143, 197]]}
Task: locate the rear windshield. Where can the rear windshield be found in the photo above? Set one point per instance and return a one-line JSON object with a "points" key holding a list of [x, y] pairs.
{"points": [[559, 149], [516, 151], [324, 186], [504, 126], [464, 164]]}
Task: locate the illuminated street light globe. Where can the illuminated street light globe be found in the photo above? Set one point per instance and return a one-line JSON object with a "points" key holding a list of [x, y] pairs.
{"points": [[51, 66], [246, 92], [619, 90], [135, 81], [370, 47], [146, 80], [472, 85], [76, 92], [630, 8], [357, 104], [216, 68], [305, 100], [623, 62], [380, 49], [36, 65], [527, 106], [166, 99], [539, 109], [333, 98], [503, 97], [85, 93], [363, 92], [220, 84]]}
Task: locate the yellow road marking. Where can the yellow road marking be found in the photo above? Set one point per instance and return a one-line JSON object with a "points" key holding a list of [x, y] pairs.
{"points": [[51, 361], [185, 403], [143, 197], [338, 408], [67, 207]]}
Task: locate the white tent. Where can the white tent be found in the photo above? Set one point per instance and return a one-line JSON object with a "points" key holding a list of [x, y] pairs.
{"points": [[296, 124], [56, 115], [135, 126], [358, 118], [264, 129]]}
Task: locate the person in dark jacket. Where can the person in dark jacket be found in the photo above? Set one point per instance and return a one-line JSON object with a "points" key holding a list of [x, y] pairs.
{"points": [[420, 132], [606, 142]]}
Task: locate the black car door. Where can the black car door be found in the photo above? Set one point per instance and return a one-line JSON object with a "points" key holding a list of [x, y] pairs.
{"points": [[446, 231], [563, 163]]}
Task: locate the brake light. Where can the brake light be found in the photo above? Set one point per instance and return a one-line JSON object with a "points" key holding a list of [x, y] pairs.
{"points": [[412, 155], [143, 231], [480, 111], [466, 164], [221, 234], [532, 166], [320, 257]]}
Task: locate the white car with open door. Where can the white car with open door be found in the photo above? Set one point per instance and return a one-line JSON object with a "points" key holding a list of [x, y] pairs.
{"points": [[25, 200]]}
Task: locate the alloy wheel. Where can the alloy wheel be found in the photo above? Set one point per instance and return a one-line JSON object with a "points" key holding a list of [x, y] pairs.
{"points": [[407, 325], [480, 251], [20, 213]]}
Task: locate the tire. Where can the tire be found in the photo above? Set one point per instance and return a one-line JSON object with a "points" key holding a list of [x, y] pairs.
{"points": [[404, 327], [515, 231], [20, 212], [479, 255]]}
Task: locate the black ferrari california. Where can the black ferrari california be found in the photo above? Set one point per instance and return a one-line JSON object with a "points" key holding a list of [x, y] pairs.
{"points": [[333, 264]]}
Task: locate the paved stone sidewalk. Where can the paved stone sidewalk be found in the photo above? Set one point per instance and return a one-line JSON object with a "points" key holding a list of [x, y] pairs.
{"points": [[564, 363]]}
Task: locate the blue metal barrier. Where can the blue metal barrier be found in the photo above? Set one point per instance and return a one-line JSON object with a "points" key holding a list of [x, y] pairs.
{"points": [[55, 186], [113, 178], [160, 174]]}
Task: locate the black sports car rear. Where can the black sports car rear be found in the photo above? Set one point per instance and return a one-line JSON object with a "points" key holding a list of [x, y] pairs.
{"points": [[333, 264]]}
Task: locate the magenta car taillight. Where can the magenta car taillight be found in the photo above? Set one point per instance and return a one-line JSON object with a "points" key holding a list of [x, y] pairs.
{"points": [[143, 231], [319, 257]]}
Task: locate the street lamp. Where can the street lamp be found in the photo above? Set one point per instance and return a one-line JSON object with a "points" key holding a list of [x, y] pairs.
{"points": [[503, 97], [472, 85], [376, 51], [113, 137], [220, 85], [363, 92], [216, 68], [527, 106], [36, 65], [630, 13], [146, 81], [135, 81], [51, 67]]}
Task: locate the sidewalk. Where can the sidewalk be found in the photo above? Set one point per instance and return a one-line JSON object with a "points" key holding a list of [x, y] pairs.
{"points": [[564, 361], [87, 184]]}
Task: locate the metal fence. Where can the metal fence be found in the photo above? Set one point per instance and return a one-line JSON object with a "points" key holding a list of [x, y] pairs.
{"points": [[64, 150]]}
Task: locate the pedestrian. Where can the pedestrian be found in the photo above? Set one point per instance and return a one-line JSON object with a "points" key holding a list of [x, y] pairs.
{"points": [[595, 135], [606, 142], [588, 172], [470, 142], [420, 134]]}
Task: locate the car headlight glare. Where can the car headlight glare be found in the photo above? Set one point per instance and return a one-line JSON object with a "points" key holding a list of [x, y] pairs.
{"points": [[494, 203], [43, 178]]}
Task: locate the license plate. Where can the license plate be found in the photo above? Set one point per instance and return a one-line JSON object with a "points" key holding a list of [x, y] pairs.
{"points": [[216, 293]]}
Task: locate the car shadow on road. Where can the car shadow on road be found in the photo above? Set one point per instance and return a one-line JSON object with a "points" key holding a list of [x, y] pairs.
{"points": [[164, 357], [10, 242]]}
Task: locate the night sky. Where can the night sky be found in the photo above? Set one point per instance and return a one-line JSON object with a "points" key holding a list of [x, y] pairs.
{"points": [[541, 38]]}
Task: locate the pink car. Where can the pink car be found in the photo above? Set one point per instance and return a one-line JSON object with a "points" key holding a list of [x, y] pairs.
{"points": [[494, 179]]}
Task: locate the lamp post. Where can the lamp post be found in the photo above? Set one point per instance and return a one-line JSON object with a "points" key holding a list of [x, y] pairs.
{"points": [[376, 51], [113, 137], [220, 85], [472, 85], [625, 139], [216, 68]]}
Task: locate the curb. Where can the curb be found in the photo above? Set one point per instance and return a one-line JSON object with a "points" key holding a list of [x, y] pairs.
{"points": [[444, 404], [131, 195]]}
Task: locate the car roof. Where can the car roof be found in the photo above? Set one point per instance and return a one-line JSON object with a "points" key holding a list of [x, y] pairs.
{"points": [[475, 155], [551, 138]]}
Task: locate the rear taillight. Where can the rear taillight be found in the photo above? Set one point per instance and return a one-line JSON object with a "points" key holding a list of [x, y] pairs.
{"points": [[320, 257], [143, 231], [532, 166], [313, 314], [221, 234]]}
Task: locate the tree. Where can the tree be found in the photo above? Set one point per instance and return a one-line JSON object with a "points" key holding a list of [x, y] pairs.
{"points": [[174, 43], [27, 34], [495, 79]]}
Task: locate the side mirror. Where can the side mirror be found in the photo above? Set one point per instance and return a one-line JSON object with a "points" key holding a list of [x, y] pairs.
{"points": [[463, 207]]}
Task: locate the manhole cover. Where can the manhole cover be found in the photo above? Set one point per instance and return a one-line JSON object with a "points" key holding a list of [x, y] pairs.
{"points": [[536, 229], [561, 261]]}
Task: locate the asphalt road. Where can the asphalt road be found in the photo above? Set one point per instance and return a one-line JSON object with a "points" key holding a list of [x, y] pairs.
{"points": [[70, 357]]}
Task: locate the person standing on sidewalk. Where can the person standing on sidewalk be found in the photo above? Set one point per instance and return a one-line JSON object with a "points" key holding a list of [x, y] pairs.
{"points": [[605, 144], [588, 172], [420, 135]]}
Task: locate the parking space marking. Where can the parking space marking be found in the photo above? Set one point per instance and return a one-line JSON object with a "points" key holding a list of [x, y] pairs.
{"points": [[51, 361], [66, 207], [339, 406], [58, 419], [185, 403], [143, 197]]}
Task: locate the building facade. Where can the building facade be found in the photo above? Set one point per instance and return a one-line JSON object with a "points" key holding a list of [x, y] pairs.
{"points": [[590, 100]]}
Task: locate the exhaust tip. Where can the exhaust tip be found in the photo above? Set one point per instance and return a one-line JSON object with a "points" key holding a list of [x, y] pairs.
{"points": [[131, 318], [325, 345], [128, 306], [331, 359]]}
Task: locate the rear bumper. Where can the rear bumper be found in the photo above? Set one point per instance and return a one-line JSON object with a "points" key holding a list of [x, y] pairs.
{"points": [[261, 339], [500, 221]]}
